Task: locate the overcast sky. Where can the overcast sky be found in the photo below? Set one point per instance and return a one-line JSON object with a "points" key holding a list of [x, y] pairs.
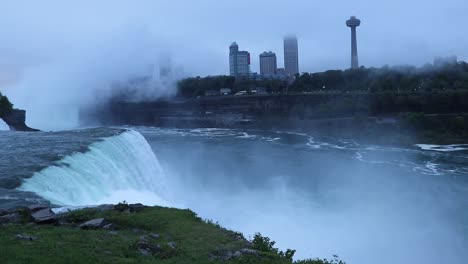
{"points": [[198, 33], [55, 54]]}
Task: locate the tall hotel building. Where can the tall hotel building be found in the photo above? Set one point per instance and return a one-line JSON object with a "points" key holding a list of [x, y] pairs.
{"points": [[268, 63], [239, 61], [291, 55]]}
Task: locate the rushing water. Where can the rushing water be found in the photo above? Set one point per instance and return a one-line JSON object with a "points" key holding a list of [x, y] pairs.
{"points": [[321, 196]]}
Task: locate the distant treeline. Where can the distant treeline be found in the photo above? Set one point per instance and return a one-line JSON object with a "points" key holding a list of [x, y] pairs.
{"points": [[386, 79], [197, 86], [5, 105]]}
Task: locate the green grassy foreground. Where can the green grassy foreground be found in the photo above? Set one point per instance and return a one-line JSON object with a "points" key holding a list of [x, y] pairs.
{"points": [[180, 236]]}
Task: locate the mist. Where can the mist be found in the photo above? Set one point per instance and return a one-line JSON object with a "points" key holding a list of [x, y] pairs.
{"points": [[381, 206]]}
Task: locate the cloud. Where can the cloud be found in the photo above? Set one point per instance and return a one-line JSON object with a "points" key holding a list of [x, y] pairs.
{"points": [[55, 47]]}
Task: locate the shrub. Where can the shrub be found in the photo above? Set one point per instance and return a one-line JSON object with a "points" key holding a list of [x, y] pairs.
{"points": [[335, 260], [264, 244], [122, 206]]}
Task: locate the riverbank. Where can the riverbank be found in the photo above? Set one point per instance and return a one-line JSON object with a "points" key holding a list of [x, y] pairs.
{"points": [[128, 234], [389, 118]]}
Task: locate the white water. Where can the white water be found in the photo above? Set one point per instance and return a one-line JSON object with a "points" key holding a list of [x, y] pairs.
{"points": [[443, 148], [119, 168]]}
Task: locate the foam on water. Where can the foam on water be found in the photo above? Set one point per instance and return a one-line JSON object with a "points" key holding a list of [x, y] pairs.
{"points": [[118, 168], [443, 148]]}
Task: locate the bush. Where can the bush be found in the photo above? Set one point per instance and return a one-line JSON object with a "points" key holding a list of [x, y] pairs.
{"points": [[264, 244], [122, 206], [335, 260]]}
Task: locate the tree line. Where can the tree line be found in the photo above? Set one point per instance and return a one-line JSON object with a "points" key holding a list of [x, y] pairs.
{"points": [[428, 78]]}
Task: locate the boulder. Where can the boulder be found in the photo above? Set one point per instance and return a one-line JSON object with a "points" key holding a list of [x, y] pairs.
{"points": [[16, 120], [136, 207], [153, 235], [26, 237], [94, 224], [10, 218], [105, 207], [3, 212], [37, 207], [148, 249], [43, 216], [108, 227], [225, 255], [172, 245]]}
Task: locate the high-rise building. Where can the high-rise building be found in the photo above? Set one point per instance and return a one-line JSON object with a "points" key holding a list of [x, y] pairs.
{"points": [[268, 63], [291, 55], [239, 61], [353, 23]]}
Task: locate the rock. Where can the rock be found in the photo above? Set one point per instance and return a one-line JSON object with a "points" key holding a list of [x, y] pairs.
{"points": [[42, 216], [148, 249], [113, 233], [228, 255], [37, 207], [11, 218], [3, 212], [248, 251], [143, 238], [108, 227], [136, 230], [25, 237], [94, 224], [172, 245], [153, 235], [105, 207], [16, 120], [136, 207]]}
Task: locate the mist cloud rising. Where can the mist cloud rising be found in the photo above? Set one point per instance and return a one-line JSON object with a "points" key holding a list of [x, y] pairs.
{"points": [[56, 54]]}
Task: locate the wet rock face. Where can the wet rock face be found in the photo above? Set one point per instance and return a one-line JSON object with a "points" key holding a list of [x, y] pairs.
{"points": [[16, 120]]}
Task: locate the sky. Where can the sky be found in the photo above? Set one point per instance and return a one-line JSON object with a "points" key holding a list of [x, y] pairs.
{"points": [[52, 46]]}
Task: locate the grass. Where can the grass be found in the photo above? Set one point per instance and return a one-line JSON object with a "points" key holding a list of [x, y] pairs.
{"points": [[197, 240]]}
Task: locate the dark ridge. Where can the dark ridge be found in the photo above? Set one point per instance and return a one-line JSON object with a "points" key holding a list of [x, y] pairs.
{"points": [[16, 120]]}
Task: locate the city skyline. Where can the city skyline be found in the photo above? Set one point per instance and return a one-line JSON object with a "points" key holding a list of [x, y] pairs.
{"points": [[115, 31]]}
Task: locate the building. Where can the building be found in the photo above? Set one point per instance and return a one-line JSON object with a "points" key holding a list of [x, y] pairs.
{"points": [[212, 93], [239, 61], [280, 71], [444, 61], [291, 55], [225, 91], [268, 63], [353, 23]]}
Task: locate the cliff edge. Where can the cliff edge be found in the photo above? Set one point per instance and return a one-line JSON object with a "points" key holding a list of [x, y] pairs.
{"points": [[16, 120]]}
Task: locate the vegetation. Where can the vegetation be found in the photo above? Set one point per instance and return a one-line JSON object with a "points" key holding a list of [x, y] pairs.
{"points": [[192, 87], [183, 238], [386, 79], [5, 105]]}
